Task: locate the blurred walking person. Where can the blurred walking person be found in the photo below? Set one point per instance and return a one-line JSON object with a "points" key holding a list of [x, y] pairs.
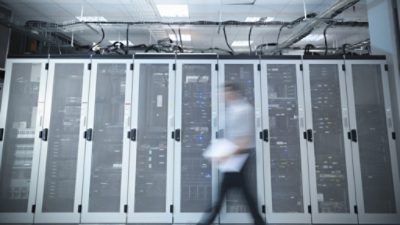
{"points": [[233, 151]]}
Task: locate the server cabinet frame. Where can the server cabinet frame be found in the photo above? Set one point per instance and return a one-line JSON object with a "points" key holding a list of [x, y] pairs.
{"points": [[107, 217], [28, 216], [192, 217], [226, 217], [152, 217], [364, 217], [339, 218], [292, 217], [63, 217]]}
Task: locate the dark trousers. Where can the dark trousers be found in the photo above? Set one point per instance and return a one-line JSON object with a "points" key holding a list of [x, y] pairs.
{"points": [[229, 181]]}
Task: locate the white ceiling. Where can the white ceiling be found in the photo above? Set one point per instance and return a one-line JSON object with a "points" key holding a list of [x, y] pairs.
{"points": [[62, 11]]}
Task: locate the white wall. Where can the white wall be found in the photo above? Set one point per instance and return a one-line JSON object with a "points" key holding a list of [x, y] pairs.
{"points": [[384, 40]]}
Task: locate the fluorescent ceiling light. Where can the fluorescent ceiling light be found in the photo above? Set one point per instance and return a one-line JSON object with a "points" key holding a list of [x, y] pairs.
{"points": [[252, 19], [185, 37], [269, 19], [91, 19], [122, 41], [314, 37], [173, 10], [259, 19], [241, 43]]}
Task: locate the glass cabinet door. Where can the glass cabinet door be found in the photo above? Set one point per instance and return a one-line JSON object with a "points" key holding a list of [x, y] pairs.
{"points": [[151, 180], [105, 187], [245, 75], [286, 163], [60, 178], [331, 173], [193, 134], [19, 152], [374, 146]]}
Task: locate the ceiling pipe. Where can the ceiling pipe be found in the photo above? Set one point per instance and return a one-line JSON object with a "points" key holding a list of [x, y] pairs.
{"points": [[309, 25]]}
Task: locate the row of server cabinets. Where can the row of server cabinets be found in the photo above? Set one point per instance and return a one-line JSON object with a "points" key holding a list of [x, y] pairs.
{"points": [[120, 140]]}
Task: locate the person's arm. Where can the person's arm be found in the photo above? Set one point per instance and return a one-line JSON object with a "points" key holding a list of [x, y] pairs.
{"points": [[242, 143]]}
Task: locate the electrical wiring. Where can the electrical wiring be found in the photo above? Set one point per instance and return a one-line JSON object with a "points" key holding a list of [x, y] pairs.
{"points": [[180, 37], [325, 38], [307, 49], [251, 29], [177, 23], [226, 41], [294, 22], [344, 48], [127, 40], [176, 36], [101, 40], [167, 45], [279, 33]]}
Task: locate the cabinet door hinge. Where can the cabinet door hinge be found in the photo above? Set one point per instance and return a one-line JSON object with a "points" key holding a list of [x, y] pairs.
{"points": [[47, 66], [125, 208], [171, 208], [216, 67], [88, 134], [33, 209], [301, 67], [132, 135], [174, 67], [89, 66], [308, 135], [259, 67], [178, 135], [343, 67], [79, 208], [354, 135], [355, 209], [1, 134], [132, 66], [309, 209], [264, 135], [43, 134]]}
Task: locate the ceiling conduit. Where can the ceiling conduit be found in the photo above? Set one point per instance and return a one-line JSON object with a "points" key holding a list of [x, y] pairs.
{"points": [[309, 25]]}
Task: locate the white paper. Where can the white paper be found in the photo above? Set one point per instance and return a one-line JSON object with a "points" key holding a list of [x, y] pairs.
{"points": [[220, 148], [223, 148]]}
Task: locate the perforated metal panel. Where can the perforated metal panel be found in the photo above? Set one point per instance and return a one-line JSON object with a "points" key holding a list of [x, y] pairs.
{"points": [[329, 150], [19, 137], [196, 190], [243, 75], [152, 138], [106, 163], [285, 152], [61, 163], [376, 168]]}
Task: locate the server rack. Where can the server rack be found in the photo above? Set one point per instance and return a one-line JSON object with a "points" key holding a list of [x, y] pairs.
{"points": [[105, 184], [364, 116], [373, 140], [285, 151], [150, 192], [245, 72], [59, 190], [331, 174], [195, 126], [24, 86]]}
